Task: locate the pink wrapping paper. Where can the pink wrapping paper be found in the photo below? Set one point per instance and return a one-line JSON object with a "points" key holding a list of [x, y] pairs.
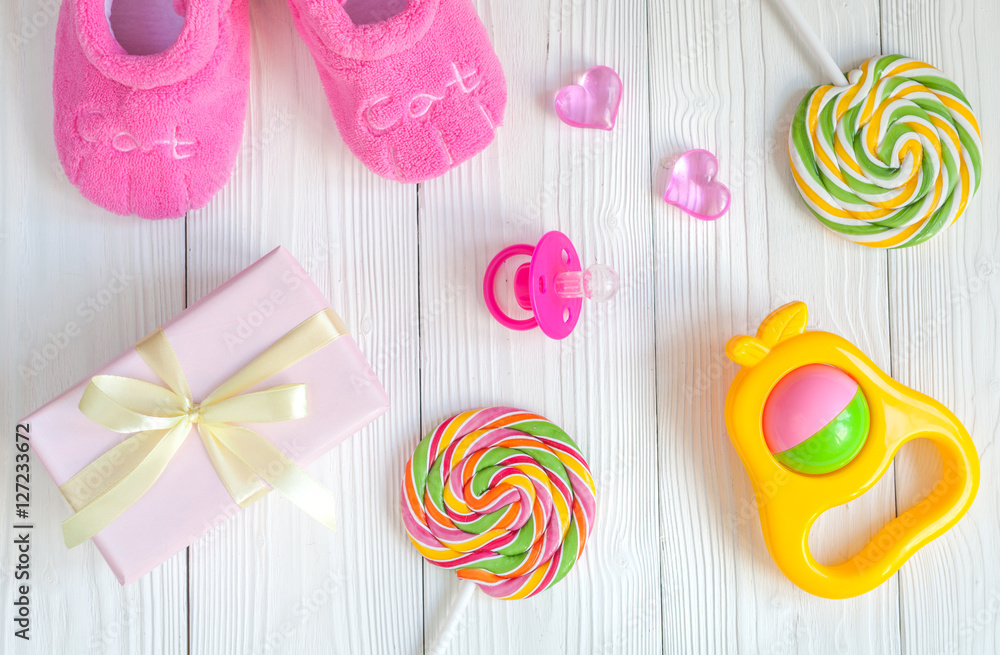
{"points": [[215, 338]]}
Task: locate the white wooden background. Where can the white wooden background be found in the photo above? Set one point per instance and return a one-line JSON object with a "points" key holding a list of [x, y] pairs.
{"points": [[676, 563]]}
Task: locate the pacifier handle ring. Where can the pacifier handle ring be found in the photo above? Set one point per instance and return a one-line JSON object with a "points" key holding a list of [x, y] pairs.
{"points": [[488, 284]]}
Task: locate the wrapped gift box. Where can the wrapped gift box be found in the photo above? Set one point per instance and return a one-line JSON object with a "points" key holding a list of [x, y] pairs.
{"points": [[213, 339]]}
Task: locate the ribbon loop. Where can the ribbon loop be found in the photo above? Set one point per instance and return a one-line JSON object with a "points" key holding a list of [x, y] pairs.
{"points": [[271, 465], [240, 481], [126, 405], [163, 418], [282, 403]]}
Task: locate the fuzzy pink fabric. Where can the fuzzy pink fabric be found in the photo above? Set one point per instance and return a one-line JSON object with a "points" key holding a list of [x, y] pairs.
{"points": [[413, 95], [152, 135]]}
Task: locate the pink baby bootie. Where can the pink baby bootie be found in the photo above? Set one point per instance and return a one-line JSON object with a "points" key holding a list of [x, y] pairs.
{"points": [[414, 85], [150, 100]]}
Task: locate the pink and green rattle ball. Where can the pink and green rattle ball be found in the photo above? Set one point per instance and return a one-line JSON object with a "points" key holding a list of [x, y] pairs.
{"points": [[816, 419]]}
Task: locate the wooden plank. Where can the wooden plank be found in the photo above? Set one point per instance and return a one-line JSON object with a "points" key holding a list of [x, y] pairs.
{"points": [[640, 384], [727, 77], [944, 325], [598, 384], [271, 580], [79, 286]]}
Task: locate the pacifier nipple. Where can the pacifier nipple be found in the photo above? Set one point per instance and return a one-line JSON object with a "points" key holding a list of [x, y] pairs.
{"points": [[598, 283]]}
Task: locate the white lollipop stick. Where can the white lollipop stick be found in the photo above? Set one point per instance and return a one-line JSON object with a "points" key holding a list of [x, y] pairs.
{"points": [[826, 62], [454, 619]]}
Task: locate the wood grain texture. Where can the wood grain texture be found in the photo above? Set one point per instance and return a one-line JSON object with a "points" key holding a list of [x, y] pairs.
{"points": [[57, 254], [272, 580], [598, 384], [727, 77], [676, 563], [944, 317]]}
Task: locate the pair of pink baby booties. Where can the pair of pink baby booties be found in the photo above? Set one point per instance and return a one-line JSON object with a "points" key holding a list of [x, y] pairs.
{"points": [[414, 86]]}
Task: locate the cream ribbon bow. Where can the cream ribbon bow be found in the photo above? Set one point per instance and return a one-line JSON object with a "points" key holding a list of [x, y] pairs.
{"points": [[163, 417]]}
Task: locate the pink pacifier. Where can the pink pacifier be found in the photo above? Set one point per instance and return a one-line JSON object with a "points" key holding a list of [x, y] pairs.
{"points": [[552, 286]]}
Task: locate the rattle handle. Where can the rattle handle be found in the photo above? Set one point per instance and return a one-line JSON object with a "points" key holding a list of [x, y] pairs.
{"points": [[898, 540]]}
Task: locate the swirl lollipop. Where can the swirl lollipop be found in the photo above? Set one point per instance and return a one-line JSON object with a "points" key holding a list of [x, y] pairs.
{"points": [[503, 497], [887, 157]]}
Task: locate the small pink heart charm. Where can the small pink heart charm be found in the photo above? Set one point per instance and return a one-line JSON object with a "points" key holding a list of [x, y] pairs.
{"points": [[592, 103], [693, 186]]}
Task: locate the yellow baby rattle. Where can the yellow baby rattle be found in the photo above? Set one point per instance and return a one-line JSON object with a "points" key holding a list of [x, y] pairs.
{"points": [[816, 424]]}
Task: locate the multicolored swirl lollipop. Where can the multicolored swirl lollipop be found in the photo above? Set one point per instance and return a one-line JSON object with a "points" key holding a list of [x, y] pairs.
{"points": [[890, 160], [888, 156], [503, 497]]}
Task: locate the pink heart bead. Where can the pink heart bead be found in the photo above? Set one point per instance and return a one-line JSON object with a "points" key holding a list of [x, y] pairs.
{"points": [[693, 186], [594, 102]]}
